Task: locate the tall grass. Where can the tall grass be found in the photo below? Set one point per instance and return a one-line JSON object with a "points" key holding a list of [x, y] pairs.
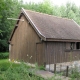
{"points": [[12, 71]]}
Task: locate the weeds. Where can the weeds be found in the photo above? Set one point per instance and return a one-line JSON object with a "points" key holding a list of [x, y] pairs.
{"points": [[75, 74], [12, 71], [17, 72]]}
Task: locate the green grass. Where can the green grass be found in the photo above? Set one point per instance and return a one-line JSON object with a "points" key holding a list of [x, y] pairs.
{"points": [[5, 64]]}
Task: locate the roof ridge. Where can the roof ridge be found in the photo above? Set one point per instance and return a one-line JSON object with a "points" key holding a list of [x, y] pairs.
{"points": [[49, 14]]}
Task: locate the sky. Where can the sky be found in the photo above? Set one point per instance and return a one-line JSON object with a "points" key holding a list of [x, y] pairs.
{"points": [[56, 2]]}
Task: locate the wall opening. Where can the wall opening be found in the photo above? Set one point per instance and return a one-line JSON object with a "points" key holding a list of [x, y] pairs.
{"points": [[77, 45], [73, 46]]}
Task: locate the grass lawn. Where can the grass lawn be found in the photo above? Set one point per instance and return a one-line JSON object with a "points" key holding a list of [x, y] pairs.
{"points": [[5, 64], [4, 61]]}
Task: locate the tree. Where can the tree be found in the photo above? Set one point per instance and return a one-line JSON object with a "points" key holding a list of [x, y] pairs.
{"points": [[8, 8], [44, 7]]}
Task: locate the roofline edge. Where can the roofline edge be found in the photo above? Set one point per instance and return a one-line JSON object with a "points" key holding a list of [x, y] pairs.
{"points": [[62, 40], [36, 29], [76, 23]]}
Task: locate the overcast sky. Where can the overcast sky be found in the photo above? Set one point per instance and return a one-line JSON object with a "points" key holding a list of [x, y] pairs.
{"points": [[57, 2]]}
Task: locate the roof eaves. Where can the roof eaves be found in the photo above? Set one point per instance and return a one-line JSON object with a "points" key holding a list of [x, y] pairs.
{"points": [[76, 23], [33, 25], [63, 40]]}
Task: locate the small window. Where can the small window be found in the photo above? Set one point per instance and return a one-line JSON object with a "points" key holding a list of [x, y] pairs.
{"points": [[78, 45], [73, 46]]}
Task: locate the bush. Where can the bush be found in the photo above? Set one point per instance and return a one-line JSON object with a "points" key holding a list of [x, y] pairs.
{"points": [[4, 55], [3, 45], [42, 67], [75, 74]]}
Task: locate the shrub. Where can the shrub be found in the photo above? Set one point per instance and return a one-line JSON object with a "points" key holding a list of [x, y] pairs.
{"points": [[75, 74], [42, 67], [4, 55]]}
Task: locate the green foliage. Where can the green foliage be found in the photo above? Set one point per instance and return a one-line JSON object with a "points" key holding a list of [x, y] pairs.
{"points": [[42, 67], [70, 10], [4, 64], [3, 45], [8, 8], [4, 55], [16, 71], [75, 74], [44, 7], [12, 71]]}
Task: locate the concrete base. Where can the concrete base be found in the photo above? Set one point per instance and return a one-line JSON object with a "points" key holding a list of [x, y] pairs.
{"points": [[63, 66]]}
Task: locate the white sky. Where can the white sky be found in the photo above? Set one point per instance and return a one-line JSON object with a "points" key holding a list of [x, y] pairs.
{"points": [[56, 2]]}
